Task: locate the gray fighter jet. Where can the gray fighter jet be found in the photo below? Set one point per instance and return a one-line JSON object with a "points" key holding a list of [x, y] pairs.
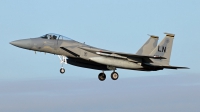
{"points": [[150, 57]]}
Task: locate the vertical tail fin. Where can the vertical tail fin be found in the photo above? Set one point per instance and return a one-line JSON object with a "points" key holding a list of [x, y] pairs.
{"points": [[164, 49], [148, 47]]}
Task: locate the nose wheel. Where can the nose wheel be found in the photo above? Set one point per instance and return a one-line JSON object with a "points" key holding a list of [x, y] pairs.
{"points": [[62, 70]]}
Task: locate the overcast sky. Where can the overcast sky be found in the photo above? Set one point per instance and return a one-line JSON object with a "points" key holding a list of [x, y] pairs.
{"points": [[32, 82]]}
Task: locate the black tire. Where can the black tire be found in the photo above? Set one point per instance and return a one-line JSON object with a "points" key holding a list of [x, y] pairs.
{"points": [[114, 75], [102, 76], [62, 70]]}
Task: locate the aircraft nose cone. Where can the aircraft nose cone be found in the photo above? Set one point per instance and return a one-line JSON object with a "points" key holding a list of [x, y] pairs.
{"points": [[25, 43]]}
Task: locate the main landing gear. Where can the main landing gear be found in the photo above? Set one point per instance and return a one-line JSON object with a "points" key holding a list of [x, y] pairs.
{"points": [[114, 75], [63, 60], [102, 76]]}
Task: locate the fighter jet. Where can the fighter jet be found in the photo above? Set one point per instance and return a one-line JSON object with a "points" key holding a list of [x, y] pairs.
{"points": [[150, 57]]}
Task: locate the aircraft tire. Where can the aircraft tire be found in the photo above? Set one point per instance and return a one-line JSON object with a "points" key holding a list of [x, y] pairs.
{"points": [[102, 76], [62, 70], [114, 75]]}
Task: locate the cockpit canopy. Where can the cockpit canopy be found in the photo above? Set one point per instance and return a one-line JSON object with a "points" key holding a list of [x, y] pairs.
{"points": [[53, 36]]}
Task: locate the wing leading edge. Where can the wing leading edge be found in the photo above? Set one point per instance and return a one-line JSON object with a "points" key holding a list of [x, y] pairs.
{"points": [[166, 67]]}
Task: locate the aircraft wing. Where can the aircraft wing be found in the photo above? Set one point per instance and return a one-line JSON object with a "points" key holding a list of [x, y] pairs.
{"points": [[175, 67], [165, 66], [138, 56], [119, 54]]}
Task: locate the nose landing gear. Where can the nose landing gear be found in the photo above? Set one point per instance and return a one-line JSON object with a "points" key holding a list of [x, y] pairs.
{"points": [[62, 70], [63, 60]]}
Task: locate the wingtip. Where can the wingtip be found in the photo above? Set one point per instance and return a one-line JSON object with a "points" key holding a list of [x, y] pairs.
{"points": [[183, 68]]}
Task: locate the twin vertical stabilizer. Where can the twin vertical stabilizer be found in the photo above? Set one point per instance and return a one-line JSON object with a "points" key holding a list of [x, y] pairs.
{"points": [[164, 50], [149, 46]]}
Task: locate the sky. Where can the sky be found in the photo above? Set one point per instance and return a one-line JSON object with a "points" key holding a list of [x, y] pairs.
{"points": [[32, 82]]}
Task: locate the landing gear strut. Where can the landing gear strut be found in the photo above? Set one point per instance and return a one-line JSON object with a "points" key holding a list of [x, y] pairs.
{"points": [[102, 76], [63, 60]]}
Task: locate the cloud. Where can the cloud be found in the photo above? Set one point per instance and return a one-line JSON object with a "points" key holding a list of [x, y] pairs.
{"points": [[154, 93]]}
